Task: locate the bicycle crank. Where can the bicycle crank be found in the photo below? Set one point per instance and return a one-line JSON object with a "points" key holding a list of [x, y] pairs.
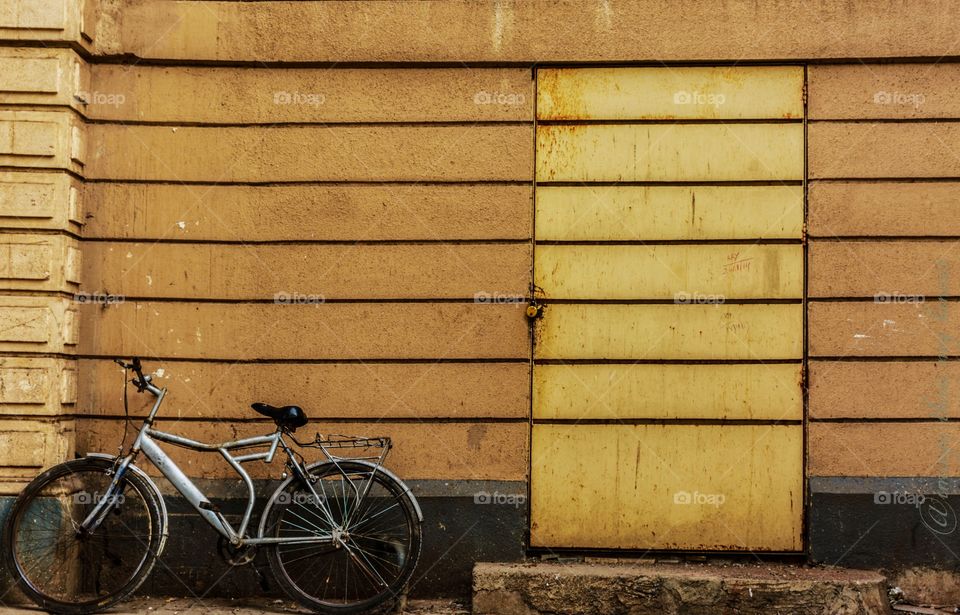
{"points": [[234, 556]]}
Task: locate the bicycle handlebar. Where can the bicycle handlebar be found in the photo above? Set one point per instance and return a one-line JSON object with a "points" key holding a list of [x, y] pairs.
{"points": [[140, 381]]}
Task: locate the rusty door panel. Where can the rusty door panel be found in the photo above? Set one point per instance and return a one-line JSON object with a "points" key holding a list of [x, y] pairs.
{"points": [[738, 391], [667, 399], [685, 332], [685, 273], [716, 487], [704, 92], [669, 152], [646, 213]]}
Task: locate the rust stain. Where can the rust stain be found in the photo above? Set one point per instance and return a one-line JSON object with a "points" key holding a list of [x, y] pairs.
{"points": [[564, 93], [475, 436]]}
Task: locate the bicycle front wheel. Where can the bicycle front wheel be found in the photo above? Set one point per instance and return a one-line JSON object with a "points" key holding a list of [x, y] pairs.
{"points": [[66, 570], [376, 541]]}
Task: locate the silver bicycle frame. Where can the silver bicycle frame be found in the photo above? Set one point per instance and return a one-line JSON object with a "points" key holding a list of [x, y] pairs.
{"points": [[147, 442]]}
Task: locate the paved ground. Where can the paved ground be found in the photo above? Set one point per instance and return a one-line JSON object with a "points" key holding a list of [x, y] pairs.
{"points": [[174, 606]]}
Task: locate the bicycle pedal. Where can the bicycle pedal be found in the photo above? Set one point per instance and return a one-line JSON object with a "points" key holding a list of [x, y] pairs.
{"points": [[262, 578]]}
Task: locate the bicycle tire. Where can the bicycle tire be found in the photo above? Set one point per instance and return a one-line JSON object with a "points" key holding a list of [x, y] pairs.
{"points": [[30, 507], [396, 586]]}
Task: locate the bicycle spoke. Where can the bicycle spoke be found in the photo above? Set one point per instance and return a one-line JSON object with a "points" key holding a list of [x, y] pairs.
{"points": [[67, 567], [368, 519], [374, 556], [322, 508], [315, 528], [378, 545], [365, 565], [396, 543]]}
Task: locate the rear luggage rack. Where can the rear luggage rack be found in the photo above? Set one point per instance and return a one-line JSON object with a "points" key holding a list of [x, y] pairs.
{"points": [[340, 441]]}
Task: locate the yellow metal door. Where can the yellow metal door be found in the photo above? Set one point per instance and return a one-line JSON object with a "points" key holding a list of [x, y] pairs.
{"points": [[667, 401]]}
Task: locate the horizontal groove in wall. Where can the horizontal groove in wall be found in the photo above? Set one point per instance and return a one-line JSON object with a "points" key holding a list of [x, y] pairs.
{"points": [[666, 361], [672, 242], [317, 182], [677, 121], [33, 106], [532, 64], [28, 169], [880, 180], [639, 301], [823, 363], [883, 359], [38, 355], [13, 292], [521, 301], [751, 556], [26, 230], [883, 238], [600, 184], [929, 298], [886, 120], [746, 62], [354, 361], [631, 421], [326, 300], [130, 58], [310, 242], [378, 361], [885, 420], [313, 418], [54, 44], [338, 123], [426, 360]]}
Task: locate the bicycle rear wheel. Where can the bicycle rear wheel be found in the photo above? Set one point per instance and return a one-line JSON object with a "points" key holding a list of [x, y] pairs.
{"points": [[65, 570], [379, 539]]}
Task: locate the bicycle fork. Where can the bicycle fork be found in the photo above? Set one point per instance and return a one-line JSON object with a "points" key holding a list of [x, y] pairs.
{"points": [[106, 503]]}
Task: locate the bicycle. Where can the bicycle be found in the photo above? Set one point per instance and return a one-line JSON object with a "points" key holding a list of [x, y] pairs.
{"points": [[85, 534]]}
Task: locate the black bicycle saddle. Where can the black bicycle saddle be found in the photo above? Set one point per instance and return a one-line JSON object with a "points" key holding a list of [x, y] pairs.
{"points": [[288, 417]]}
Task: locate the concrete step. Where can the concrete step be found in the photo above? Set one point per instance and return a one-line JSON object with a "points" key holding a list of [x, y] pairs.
{"points": [[681, 589]]}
